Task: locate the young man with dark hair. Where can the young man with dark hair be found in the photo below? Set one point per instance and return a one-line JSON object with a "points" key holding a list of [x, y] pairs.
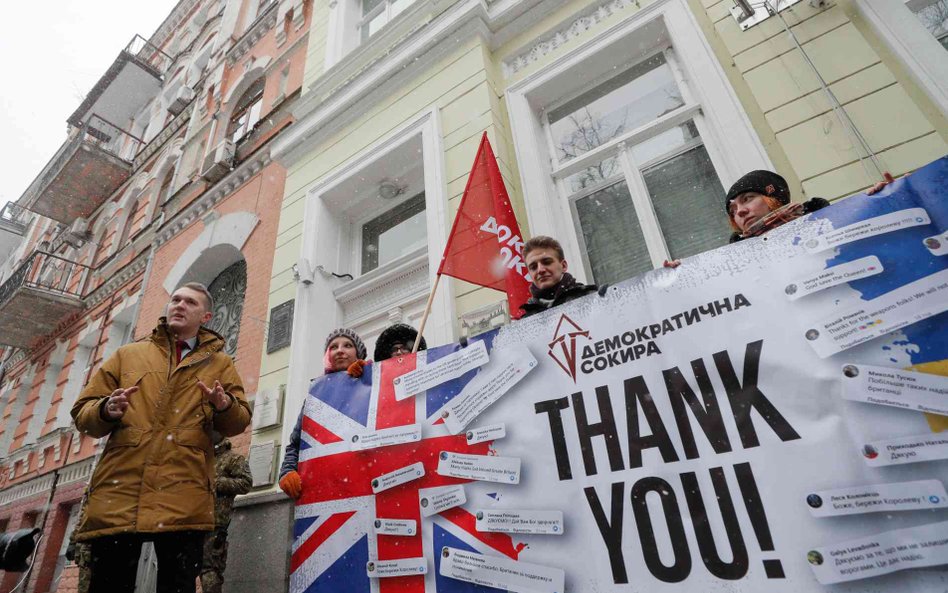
{"points": [[552, 285]]}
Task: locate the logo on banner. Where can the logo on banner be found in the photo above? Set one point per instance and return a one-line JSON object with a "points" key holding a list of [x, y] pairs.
{"points": [[563, 348]]}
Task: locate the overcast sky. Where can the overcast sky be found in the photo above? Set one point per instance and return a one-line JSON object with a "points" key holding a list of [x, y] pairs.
{"points": [[51, 54]]}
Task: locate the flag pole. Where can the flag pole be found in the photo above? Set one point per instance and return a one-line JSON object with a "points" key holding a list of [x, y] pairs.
{"points": [[424, 316]]}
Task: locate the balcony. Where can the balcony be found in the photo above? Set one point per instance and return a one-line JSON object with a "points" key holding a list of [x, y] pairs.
{"points": [[37, 296], [88, 168], [13, 222], [133, 79]]}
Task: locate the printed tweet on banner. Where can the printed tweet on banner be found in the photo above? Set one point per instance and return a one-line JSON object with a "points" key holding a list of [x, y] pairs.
{"points": [[397, 527], [920, 392], [894, 310], [490, 384], [383, 569], [919, 495], [834, 276], [523, 522], [481, 434], [866, 557], [486, 468], [440, 498], [910, 449], [887, 223], [398, 477], [500, 573], [442, 370], [386, 437]]}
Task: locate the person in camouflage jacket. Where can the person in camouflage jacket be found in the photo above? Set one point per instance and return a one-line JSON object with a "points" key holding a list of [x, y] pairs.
{"points": [[232, 477], [80, 552]]}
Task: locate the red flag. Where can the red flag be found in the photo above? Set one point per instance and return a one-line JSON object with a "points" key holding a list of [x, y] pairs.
{"points": [[485, 246]]}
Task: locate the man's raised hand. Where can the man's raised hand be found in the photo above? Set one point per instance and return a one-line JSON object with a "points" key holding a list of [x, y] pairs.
{"points": [[117, 403], [216, 396]]}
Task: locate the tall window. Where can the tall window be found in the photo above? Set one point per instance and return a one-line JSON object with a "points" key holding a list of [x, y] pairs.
{"points": [[164, 192], [247, 112], [228, 291], [377, 13], [934, 15], [395, 233], [628, 156]]}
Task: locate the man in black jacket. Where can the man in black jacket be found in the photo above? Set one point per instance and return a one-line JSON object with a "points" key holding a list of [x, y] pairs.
{"points": [[552, 284]]}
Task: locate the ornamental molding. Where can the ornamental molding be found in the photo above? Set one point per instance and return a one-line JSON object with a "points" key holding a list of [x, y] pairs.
{"points": [[210, 198], [27, 489], [77, 471], [371, 293], [172, 22], [255, 33], [572, 29], [118, 279]]}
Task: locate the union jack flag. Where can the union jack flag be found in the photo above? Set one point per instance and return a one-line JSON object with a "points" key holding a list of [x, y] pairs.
{"points": [[334, 535]]}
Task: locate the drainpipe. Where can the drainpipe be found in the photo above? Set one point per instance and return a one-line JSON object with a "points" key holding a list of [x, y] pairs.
{"points": [[837, 107]]}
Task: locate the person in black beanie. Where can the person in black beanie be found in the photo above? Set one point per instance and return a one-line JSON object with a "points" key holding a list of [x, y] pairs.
{"points": [[760, 201], [397, 340], [552, 285]]}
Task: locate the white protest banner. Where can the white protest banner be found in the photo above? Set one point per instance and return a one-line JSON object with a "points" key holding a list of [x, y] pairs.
{"points": [[678, 423]]}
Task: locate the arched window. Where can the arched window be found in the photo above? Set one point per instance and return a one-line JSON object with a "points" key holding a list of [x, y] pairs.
{"points": [[246, 112], [228, 292], [131, 216]]}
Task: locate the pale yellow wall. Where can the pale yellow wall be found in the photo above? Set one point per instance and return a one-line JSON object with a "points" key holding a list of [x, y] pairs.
{"points": [[786, 104], [779, 93]]}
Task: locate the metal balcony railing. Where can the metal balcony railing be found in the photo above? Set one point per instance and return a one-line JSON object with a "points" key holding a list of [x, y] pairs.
{"points": [[47, 272], [96, 132], [111, 138], [148, 55]]}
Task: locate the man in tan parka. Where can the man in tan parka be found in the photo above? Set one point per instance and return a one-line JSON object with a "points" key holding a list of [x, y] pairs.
{"points": [[158, 400]]}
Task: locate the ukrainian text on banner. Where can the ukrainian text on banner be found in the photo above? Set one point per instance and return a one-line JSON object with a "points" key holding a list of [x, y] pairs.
{"points": [[713, 427]]}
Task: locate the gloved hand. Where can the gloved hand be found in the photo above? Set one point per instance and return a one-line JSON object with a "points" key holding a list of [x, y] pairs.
{"points": [[292, 485], [355, 369]]}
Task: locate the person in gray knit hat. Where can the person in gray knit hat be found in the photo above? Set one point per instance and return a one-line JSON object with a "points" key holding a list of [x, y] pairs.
{"points": [[344, 351]]}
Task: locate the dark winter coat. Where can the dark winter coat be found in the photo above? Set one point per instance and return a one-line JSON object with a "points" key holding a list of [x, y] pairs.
{"points": [[291, 455], [567, 289]]}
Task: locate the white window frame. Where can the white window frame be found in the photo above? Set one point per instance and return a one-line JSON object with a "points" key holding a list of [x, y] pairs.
{"points": [[325, 247], [344, 31], [913, 44], [383, 6], [710, 102], [631, 171], [358, 224]]}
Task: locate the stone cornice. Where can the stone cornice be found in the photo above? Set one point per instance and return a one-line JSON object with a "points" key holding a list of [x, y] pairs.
{"points": [[331, 101], [223, 188], [172, 22], [39, 485], [118, 279], [572, 29], [253, 34]]}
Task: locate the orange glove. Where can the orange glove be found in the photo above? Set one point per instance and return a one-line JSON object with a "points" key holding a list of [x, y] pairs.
{"points": [[292, 485], [355, 369]]}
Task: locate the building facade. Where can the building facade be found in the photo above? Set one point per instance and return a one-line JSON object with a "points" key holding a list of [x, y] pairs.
{"points": [[617, 125], [165, 177]]}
